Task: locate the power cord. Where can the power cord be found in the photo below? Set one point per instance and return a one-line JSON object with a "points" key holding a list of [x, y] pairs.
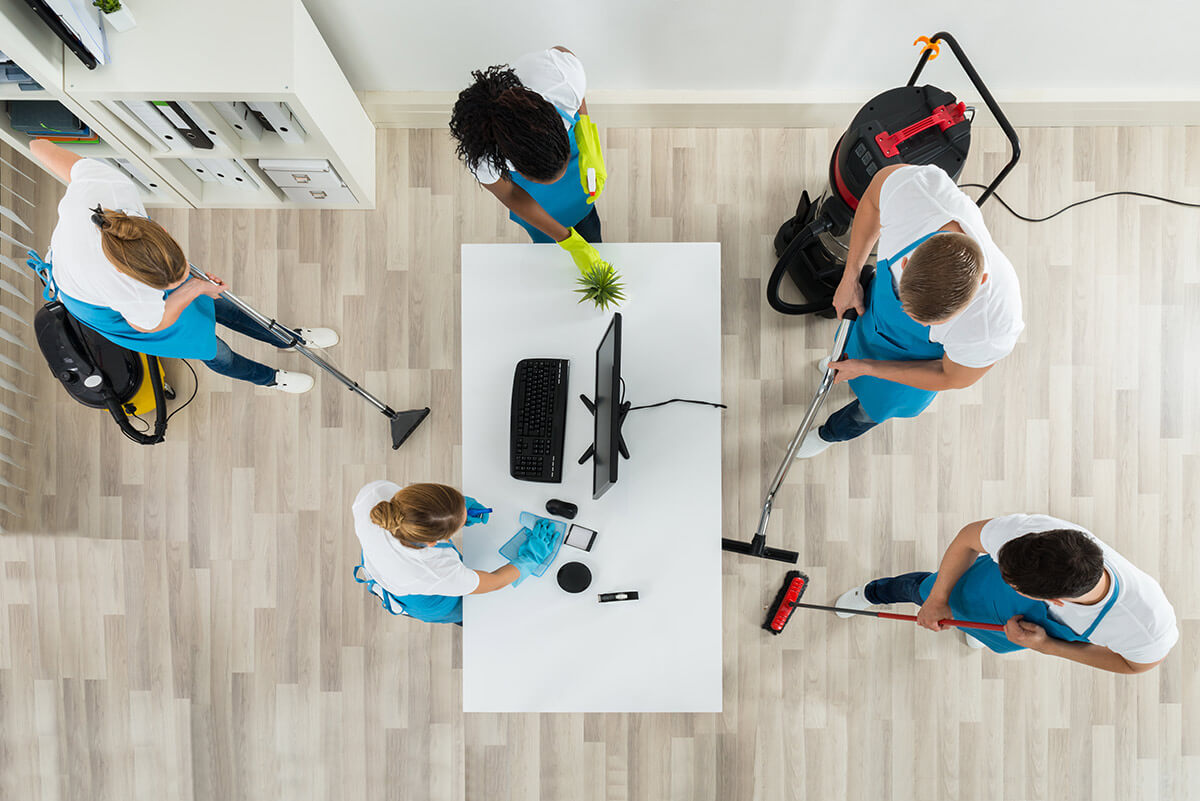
{"points": [[195, 389], [672, 400], [1131, 193]]}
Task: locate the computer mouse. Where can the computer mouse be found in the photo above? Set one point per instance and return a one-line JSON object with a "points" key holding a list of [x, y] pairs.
{"points": [[562, 508]]}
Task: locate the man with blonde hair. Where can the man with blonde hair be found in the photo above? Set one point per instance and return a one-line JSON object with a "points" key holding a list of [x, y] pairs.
{"points": [[943, 307]]}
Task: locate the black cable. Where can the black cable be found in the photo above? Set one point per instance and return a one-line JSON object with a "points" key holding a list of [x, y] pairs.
{"points": [[664, 403], [678, 400], [1131, 193], [195, 389]]}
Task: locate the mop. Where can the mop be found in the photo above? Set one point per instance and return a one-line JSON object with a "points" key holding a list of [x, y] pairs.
{"points": [[402, 424], [794, 585], [758, 544]]}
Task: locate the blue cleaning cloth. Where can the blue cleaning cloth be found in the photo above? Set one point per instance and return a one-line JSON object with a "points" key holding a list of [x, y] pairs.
{"points": [[478, 516]]}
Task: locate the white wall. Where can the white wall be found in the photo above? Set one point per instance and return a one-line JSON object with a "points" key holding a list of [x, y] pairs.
{"points": [[817, 50]]}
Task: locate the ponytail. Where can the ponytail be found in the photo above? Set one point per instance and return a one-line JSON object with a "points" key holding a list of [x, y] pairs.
{"points": [[421, 514], [497, 119], [140, 248]]}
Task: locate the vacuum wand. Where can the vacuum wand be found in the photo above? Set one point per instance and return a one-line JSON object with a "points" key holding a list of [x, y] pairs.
{"points": [[757, 545], [963, 624], [402, 423]]}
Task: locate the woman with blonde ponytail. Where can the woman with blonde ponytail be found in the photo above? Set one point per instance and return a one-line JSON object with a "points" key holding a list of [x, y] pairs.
{"points": [[121, 274], [408, 560]]}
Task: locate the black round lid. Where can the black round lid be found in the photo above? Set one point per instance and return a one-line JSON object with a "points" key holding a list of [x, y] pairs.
{"points": [[574, 577]]}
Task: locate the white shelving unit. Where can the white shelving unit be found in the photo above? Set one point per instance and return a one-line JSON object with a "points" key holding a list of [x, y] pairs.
{"points": [[29, 43], [232, 50], [200, 53]]}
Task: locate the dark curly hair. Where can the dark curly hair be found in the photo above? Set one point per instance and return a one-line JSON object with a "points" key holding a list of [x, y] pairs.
{"points": [[497, 120], [1060, 563]]}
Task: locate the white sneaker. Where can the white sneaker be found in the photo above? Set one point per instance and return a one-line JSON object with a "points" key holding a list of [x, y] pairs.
{"points": [[973, 643], [853, 599], [317, 338], [812, 445], [293, 383]]}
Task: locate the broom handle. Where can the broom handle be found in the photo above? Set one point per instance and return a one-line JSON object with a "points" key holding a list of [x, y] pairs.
{"points": [[965, 624]]}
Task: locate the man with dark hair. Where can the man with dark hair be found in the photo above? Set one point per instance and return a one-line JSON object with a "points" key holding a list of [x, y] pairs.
{"points": [[943, 307], [1055, 587]]}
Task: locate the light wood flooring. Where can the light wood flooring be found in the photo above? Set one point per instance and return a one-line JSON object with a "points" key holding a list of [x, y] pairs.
{"points": [[179, 622]]}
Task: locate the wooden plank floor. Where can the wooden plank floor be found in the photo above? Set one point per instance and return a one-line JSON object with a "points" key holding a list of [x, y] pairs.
{"points": [[179, 622]]}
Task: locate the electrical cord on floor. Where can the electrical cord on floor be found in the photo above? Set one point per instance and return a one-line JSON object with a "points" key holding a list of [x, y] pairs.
{"points": [[672, 400], [1131, 193], [195, 389]]}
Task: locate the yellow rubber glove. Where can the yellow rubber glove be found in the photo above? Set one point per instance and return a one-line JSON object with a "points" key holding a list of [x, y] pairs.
{"points": [[581, 251], [587, 139]]}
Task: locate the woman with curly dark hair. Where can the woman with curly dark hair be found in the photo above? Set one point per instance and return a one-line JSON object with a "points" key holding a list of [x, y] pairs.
{"points": [[524, 132]]}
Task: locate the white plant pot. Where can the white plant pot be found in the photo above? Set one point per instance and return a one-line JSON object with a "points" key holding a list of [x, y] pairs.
{"points": [[120, 20]]}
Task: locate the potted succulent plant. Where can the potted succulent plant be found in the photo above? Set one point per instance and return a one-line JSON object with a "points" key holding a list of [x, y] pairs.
{"points": [[116, 14], [602, 285]]}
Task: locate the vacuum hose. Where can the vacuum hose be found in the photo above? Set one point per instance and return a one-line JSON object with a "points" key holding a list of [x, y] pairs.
{"points": [[801, 240]]}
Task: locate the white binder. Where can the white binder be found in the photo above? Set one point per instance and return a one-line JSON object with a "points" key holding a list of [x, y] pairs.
{"points": [[238, 115], [199, 168], [281, 119], [136, 174], [148, 113]]}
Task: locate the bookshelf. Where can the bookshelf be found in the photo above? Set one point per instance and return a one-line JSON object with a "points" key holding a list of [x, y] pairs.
{"points": [[32, 46], [272, 54]]}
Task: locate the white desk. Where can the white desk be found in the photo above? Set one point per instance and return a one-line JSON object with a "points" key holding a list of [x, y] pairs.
{"points": [[536, 648]]}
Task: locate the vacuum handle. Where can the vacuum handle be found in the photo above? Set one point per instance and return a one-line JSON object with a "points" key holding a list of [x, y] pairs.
{"points": [[988, 101], [963, 624]]}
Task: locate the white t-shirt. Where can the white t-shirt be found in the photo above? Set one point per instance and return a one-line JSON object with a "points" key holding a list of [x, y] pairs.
{"points": [[402, 570], [1141, 624], [80, 267], [915, 201], [556, 76]]}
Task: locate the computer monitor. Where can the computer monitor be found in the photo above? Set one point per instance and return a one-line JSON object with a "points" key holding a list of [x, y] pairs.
{"points": [[609, 411]]}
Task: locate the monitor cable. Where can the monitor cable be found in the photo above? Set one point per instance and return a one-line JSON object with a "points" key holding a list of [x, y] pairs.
{"points": [[672, 400]]}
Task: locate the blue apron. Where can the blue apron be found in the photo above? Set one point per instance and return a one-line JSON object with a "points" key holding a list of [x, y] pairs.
{"points": [[192, 336], [886, 332], [430, 608], [565, 200], [983, 596]]}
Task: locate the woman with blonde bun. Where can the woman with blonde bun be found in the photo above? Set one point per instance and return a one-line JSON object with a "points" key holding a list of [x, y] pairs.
{"points": [[408, 560], [124, 276]]}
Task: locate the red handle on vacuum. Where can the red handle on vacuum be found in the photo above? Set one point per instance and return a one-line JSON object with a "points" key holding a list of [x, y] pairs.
{"points": [[965, 624], [942, 116]]}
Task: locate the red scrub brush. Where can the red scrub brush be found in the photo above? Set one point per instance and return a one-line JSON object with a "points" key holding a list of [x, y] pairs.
{"points": [[794, 585]]}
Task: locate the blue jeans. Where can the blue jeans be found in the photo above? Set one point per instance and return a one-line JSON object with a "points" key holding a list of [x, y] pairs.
{"points": [[234, 365], [848, 422], [897, 589], [588, 228]]}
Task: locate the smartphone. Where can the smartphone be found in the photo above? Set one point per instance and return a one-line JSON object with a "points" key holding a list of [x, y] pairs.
{"points": [[580, 537]]}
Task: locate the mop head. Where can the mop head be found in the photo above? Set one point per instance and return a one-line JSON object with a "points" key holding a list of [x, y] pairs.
{"points": [[794, 585]]}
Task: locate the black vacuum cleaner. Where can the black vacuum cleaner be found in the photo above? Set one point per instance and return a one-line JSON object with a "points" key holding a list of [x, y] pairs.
{"points": [[99, 373], [907, 125]]}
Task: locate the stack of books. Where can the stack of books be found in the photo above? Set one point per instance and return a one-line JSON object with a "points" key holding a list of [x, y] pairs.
{"points": [[48, 119]]}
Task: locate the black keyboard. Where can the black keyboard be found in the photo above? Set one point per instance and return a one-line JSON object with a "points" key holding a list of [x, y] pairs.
{"points": [[539, 420]]}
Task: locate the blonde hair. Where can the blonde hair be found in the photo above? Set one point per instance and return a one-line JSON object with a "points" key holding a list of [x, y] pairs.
{"points": [[140, 248], [421, 514], [941, 277]]}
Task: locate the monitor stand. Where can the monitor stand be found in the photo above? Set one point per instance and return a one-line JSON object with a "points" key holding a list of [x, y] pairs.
{"points": [[591, 407]]}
